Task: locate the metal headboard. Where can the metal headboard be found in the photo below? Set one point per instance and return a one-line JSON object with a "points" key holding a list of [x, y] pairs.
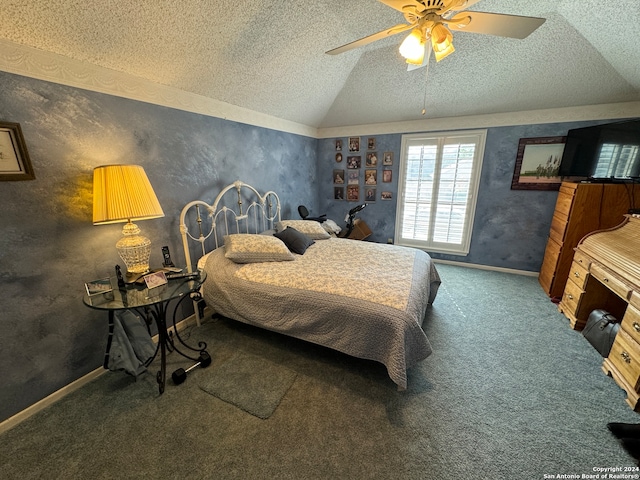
{"points": [[227, 215]]}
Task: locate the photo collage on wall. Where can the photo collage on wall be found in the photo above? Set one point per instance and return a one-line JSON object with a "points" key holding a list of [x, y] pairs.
{"points": [[363, 173]]}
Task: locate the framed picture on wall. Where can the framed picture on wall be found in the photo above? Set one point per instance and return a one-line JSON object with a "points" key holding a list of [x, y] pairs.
{"points": [[387, 176], [338, 176], [371, 177], [338, 193], [386, 195], [371, 143], [353, 193], [387, 158], [372, 159], [370, 194], [353, 178], [354, 162], [14, 158], [354, 144], [537, 163]]}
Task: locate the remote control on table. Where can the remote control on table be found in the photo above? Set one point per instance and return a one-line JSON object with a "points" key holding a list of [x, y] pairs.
{"points": [[171, 276]]}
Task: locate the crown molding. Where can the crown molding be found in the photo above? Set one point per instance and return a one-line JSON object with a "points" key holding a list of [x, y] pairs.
{"points": [[610, 111], [41, 65]]}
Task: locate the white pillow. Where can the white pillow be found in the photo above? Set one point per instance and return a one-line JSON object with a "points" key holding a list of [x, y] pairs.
{"points": [[255, 248], [310, 228]]}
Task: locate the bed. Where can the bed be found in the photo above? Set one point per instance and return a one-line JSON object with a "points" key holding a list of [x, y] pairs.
{"points": [[364, 299]]}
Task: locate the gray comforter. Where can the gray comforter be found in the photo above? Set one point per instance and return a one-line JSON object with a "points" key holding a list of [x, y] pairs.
{"points": [[364, 299]]}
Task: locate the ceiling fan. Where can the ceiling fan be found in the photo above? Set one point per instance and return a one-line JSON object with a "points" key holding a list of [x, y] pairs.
{"points": [[433, 19]]}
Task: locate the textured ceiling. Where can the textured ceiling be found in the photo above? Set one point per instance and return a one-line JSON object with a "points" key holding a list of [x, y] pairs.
{"points": [[268, 55]]}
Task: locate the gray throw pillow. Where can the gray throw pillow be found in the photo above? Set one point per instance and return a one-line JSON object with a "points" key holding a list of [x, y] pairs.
{"points": [[296, 241]]}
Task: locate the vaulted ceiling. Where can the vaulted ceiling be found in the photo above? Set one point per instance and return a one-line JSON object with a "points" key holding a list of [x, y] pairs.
{"points": [[268, 56]]}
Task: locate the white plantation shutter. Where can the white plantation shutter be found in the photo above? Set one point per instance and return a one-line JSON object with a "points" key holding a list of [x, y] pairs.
{"points": [[438, 185]]}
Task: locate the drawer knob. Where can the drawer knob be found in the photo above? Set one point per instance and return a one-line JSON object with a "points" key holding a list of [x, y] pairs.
{"points": [[576, 274], [569, 296], [636, 326], [606, 280], [626, 357]]}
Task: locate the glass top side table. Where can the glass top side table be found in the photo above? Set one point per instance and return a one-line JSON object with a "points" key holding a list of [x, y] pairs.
{"points": [[152, 304]]}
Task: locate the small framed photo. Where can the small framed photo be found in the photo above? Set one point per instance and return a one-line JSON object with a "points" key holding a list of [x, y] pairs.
{"points": [[354, 144], [353, 193], [338, 145], [387, 176], [386, 196], [97, 287], [155, 279], [338, 176], [371, 143], [387, 159], [338, 157], [354, 162], [338, 193], [353, 178], [370, 194], [372, 159], [14, 158], [371, 177]]}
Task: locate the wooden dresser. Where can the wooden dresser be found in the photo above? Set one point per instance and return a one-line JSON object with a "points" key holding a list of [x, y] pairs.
{"points": [[581, 208], [606, 274]]}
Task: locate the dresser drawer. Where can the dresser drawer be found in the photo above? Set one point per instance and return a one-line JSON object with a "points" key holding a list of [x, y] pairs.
{"points": [[625, 356], [612, 283], [631, 323], [582, 259], [578, 274], [571, 298], [564, 202], [634, 299], [558, 228]]}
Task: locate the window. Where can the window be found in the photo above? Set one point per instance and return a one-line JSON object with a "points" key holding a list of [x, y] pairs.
{"points": [[437, 190]]}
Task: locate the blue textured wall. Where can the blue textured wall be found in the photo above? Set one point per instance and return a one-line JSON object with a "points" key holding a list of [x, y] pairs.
{"points": [[48, 245], [511, 226]]}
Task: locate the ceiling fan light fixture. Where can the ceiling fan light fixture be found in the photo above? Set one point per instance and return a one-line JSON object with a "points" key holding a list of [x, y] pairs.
{"points": [[412, 48], [442, 41]]}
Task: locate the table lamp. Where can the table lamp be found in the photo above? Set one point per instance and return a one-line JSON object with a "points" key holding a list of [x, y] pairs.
{"points": [[123, 193]]}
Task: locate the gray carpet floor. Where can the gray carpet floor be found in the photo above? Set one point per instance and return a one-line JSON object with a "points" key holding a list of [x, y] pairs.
{"points": [[510, 392]]}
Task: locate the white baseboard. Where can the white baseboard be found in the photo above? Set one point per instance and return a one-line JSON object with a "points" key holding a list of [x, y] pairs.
{"points": [[73, 386], [487, 267]]}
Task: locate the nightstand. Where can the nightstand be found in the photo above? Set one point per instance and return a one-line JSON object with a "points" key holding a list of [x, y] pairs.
{"points": [[152, 303]]}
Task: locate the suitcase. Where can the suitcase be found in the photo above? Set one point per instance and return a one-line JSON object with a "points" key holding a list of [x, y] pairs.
{"points": [[601, 330]]}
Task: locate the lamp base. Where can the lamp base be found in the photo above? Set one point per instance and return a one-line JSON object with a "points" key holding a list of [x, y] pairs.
{"points": [[134, 249]]}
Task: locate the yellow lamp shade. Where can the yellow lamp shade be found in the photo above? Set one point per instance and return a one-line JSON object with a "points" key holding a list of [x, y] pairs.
{"points": [[122, 193]]}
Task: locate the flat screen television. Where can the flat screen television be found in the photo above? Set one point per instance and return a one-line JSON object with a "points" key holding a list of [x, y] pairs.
{"points": [[603, 152]]}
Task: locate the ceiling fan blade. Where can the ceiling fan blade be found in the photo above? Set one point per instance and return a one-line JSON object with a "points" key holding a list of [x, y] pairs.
{"points": [[499, 24], [371, 38], [400, 4]]}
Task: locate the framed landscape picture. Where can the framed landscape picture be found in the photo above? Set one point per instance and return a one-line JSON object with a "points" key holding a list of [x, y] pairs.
{"points": [[537, 163]]}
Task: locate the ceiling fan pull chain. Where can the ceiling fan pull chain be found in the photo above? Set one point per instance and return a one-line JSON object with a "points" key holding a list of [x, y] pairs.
{"points": [[426, 78]]}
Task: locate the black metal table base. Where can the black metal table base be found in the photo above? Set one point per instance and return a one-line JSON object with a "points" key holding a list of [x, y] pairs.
{"points": [[167, 336]]}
